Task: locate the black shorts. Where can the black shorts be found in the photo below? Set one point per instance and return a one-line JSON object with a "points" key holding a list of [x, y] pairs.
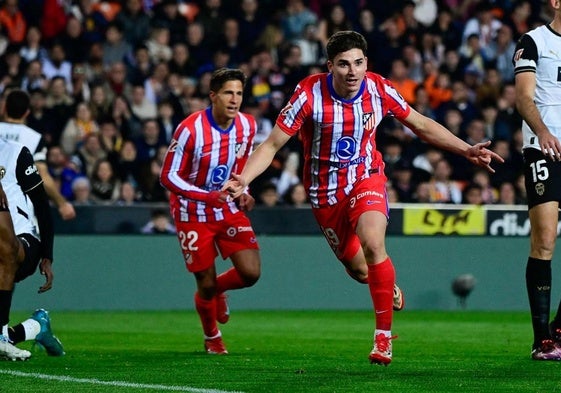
{"points": [[31, 246], [542, 177]]}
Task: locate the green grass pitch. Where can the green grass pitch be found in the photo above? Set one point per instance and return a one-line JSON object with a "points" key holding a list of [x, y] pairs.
{"points": [[284, 351]]}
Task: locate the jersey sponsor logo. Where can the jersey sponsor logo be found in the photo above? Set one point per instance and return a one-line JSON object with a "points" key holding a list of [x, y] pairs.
{"points": [[518, 54], [368, 121], [232, 231], [31, 170], [346, 164], [345, 148], [2, 172], [219, 175]]}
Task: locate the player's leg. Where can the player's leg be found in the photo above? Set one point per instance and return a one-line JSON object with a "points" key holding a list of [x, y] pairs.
{"points": [[357, 269], [199, 252], [205, 304], [371, 230], [543, 221], [11, 255], [241, 247]]}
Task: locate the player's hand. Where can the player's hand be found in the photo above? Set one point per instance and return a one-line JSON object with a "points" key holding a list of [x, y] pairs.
{"points": [[66, 211], [216, 199], [245, 202], [550, 146], [45, 267], [235, 186], [3, 199], [480, 155]]}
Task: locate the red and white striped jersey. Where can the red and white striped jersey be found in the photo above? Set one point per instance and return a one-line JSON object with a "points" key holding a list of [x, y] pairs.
{"points": [[339, 135], [200, 159]]}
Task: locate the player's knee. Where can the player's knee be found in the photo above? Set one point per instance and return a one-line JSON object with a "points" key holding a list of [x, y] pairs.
{"points": [[251, 276]]}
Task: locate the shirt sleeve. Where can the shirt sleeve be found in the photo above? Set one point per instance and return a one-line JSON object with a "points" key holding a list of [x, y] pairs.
{"points": [[525, 58]]}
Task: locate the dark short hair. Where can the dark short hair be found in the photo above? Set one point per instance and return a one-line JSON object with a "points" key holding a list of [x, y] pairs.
{"points": [[17, 103], [343, 41], [223, 75]]}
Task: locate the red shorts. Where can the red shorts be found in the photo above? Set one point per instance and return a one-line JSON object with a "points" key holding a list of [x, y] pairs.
{"points": [[200, 242], [338, 222]]}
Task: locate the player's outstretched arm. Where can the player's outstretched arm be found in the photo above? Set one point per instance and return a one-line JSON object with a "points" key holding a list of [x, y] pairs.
{"points": [[257, 162], [434, 133]]}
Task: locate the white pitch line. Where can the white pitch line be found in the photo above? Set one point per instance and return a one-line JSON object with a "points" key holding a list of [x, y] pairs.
{"points": [[94, 381]]}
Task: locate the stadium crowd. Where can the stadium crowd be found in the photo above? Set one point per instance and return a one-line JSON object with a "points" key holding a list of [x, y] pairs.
{"points": [[109, 81]]}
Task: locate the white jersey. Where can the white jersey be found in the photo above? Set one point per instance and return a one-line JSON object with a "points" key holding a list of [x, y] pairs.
{"points": [[27, 137], [19, 175], [539, 51]]}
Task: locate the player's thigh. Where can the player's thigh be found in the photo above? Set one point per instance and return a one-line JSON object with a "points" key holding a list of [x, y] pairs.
{"points": [[340, 235], [197, 243], [248, 263], [543, 222], [542, 178], [9, 243], [236, 234]]}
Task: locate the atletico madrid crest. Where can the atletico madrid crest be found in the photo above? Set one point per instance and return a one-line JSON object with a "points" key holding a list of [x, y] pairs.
{"points": [[368, 121]]}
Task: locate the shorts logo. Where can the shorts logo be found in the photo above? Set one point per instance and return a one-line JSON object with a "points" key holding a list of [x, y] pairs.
{"points": [[231, 231], [352, 202], [540, 189], [188, 258], [2, 172]]}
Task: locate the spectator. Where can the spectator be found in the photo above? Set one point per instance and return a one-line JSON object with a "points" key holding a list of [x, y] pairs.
{"points": [[158, 45], [141, 106], [80, 86], [34, 78], [403, 84], [135, 22], [167, 15], [92, 20], [335, 20], [115, 48], [33, 49], [56, 65], [252, 20], [126, 166], [110, 139], [501, 51], [129, 124], [141, 67], [59, 102], [13, 22], [105, 184], [489, 194], [403, 181], [62, 170], [116, 83], [81, 188], [296, 16], [167, 121], [212, 18], [296, 196], [312, 49], [99, 104], [77, 128], [160, 223], [230, 41], [442, 188], [483, 25], [472, 195], [127, 195], [447, 28], [181, 62], [41, 118], [12, 67], [88, 154], [74, 41], [199, 48], [507, 194], [268, 196], [519, 20]]}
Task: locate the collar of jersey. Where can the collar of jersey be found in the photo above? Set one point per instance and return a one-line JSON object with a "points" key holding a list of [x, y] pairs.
{"points": [[337, 96], [214, 124]]}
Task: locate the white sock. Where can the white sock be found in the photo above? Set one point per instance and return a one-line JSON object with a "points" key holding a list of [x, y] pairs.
{"points": [[213, 337], [32, 329], [387, 333]]}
